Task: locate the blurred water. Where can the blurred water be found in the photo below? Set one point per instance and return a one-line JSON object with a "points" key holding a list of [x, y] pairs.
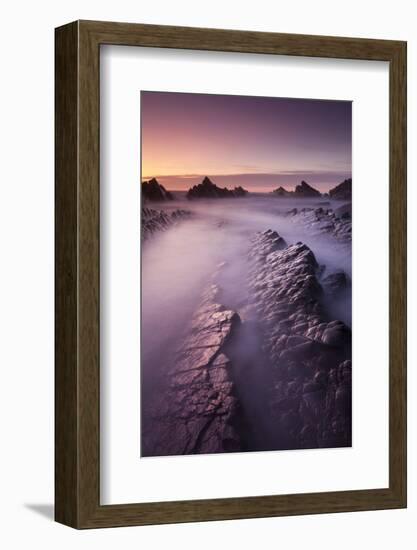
{"points": [[179, 263]]}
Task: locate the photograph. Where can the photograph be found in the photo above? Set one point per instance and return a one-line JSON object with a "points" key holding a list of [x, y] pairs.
{"points": [[246, 273]]}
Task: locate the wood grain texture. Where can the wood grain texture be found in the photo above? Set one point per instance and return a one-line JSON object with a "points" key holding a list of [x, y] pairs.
{"points": [[398, 273], [78, 284], [66, 237]]}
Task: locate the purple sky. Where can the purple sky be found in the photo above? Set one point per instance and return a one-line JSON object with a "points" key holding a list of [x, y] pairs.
{"points": [[258, 142]]}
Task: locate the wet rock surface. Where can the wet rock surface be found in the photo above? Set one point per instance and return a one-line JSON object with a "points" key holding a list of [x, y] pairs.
{"points": [[336, 283], [324, 221], [270, 371], [308, 354], [154, 221], [344, 211], [198, 411]]}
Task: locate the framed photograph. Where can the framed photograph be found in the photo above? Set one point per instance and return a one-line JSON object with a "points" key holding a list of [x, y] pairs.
{"points": [[230, 274]]}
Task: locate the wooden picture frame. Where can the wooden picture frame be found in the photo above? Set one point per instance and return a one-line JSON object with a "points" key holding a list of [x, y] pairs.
{"points": [[77, 405]]}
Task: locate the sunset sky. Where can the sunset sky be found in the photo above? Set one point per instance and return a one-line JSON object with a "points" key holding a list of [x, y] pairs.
{"points": [[257, 142]]}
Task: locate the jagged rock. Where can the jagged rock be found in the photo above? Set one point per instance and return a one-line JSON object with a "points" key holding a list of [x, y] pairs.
{"points": [[154, 221], [239, 192], [344, 211], [266, 242], [292, 212], [303, 190], [208, 190], [343, 191], [335, 283], [337, 335], [154, 191], [199, 411], [309, 354], [281, 192], [296, 364], [321, 221]]}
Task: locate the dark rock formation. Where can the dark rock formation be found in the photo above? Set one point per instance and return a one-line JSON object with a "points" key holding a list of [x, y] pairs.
{"points": [[198, 411], [266, 242], [269, 371], [304, 190], [335, 283], [343, 191], [310, 398], [344, 211], [281, 192], [157, 220], [154, 191], [208, 190], [321, 221], [239, 192]]}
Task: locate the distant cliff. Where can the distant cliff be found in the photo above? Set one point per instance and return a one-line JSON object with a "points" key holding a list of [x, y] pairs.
{"points": [[304, 190], [154, 191], [208, 190], [343, 191], [281, 192]]}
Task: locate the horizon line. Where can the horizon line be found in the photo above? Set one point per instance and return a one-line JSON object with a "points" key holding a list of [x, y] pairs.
{"points": [[254, 174], [179, 182]]}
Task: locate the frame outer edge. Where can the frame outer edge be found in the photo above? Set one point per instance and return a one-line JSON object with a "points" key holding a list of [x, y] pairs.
{"points": [[398, 274], [77, 275], [66, 274], [88, 274]]}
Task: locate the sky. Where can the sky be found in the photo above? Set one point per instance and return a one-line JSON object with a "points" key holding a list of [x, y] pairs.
{"points": [[260, 143]]}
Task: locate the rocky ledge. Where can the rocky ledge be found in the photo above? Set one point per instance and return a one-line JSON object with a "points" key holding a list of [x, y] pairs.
{"points": [[309, 354], [154, 221], [271, 373], [321, 221], [198, 411]]}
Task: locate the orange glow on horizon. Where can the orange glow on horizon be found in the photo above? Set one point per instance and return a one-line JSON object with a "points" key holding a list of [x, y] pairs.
{"points": [[258, 143]]}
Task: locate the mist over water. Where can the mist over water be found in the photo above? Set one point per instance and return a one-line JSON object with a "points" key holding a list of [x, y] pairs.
{"points": [[176, 266], [179, 264]]}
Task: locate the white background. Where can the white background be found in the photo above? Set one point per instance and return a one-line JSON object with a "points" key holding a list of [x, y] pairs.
{"points": [[126, 478], [26, 300]]}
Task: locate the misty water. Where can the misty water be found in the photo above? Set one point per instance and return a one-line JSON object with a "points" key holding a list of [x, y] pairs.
{"points": [[178, 264]]}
